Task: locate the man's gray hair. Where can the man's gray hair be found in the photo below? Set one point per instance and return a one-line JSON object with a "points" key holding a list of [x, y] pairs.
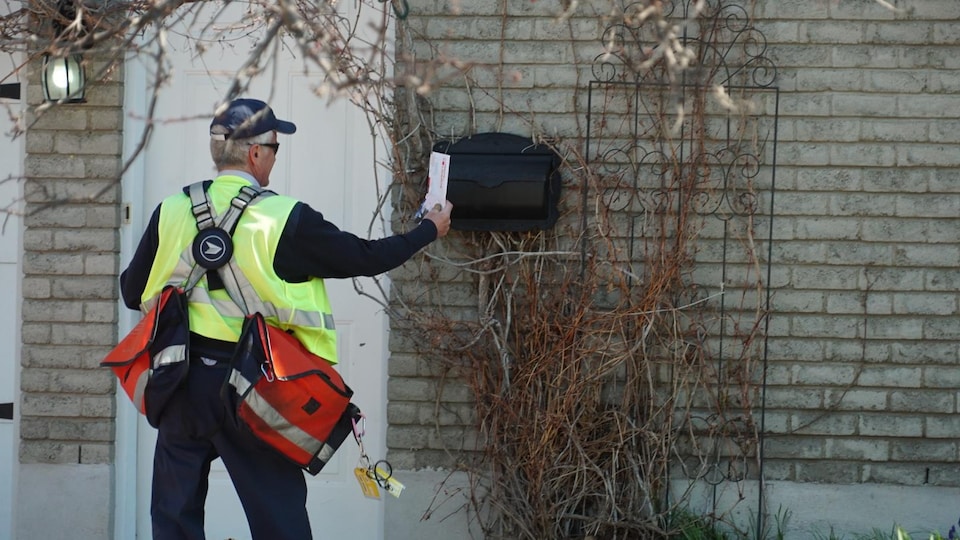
{"points": [[232, 154]]}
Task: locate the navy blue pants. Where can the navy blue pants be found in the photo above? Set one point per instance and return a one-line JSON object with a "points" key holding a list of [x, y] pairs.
{"points": [[192, 432]]}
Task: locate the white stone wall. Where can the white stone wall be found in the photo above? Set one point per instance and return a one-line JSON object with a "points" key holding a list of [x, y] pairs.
{"points": [[69, 306]]}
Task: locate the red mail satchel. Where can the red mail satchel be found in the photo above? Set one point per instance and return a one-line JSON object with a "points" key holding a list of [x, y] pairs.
{"points": [[289, 398], [150, 362]]}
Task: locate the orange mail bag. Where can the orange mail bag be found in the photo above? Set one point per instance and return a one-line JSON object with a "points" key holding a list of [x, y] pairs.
{"points": [[289, 398], [150, 362]]}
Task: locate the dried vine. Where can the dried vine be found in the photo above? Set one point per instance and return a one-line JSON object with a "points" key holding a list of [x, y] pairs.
{"points": [[596, 364]]}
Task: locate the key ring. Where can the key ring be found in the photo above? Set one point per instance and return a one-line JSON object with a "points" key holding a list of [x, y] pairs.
{"points": [[381, 472]]}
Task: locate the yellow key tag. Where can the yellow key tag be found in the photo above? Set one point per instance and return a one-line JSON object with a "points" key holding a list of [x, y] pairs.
{"points": [[367, 484], [393, 487]]}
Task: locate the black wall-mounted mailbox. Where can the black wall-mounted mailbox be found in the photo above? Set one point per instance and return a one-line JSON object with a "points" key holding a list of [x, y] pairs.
{"points": [[501, 182]]}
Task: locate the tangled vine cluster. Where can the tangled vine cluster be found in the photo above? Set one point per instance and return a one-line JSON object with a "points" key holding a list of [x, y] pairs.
{"points": [[617, 360]]}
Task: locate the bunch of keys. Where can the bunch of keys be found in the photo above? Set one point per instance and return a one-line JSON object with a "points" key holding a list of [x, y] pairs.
{"points": [[376, 476]]}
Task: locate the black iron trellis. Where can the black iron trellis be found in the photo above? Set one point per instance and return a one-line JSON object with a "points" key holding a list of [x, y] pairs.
{"points": [[665, 139]]}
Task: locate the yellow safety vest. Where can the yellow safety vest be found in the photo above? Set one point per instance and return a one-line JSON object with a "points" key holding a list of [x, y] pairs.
{"points": [[302, 308]]}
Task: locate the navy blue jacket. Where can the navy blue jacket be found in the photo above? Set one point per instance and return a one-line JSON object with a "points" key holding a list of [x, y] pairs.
{"points": [[310, 246]]}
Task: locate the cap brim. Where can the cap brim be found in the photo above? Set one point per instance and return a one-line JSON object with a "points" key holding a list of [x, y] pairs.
{"points": [[285, 127]]}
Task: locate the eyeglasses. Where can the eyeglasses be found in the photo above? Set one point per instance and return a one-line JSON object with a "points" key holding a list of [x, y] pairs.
{"points": [[275, 146]]}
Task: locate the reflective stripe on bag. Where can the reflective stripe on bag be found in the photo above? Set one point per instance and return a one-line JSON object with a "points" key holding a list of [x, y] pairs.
{"points": [[290, 399]]}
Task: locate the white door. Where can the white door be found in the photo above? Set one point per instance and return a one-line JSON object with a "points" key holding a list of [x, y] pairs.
{"points": [[11, 169], [329, 164]]}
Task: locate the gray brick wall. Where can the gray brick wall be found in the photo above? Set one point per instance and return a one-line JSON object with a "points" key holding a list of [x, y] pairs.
{"points": [[864, 336], [70, 262], [868, 327]]}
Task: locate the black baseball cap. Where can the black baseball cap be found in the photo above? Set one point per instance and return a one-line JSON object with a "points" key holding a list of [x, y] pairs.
{"points": [[245, 118]]}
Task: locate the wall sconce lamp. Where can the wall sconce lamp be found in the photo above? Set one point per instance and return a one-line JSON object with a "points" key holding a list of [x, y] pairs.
{"points": [[64, 79]]}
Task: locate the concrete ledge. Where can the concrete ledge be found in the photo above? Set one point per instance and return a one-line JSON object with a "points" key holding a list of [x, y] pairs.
{"points": [[434, 504], [816, 510], [65, 501]]}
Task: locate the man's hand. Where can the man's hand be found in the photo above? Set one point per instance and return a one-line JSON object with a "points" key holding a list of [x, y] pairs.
{"points": [[440, 217]]}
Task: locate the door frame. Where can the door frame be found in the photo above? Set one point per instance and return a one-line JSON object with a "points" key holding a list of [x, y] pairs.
{"points": [[19, 150], [134, 220], [131, 227]]}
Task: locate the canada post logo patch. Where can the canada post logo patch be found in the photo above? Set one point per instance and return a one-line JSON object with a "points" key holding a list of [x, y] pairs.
{"points": [[212, 248]]}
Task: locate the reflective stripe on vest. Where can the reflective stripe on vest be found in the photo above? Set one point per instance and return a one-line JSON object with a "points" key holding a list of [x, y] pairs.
{"points": [[292, 317], [301, 307]]}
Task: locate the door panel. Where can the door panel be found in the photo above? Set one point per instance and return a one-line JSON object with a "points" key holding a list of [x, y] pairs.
{"points": [[11, 161], [318, 165]]}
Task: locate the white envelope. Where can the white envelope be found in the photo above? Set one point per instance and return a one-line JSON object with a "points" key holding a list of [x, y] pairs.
{"points": [[437, 176]]}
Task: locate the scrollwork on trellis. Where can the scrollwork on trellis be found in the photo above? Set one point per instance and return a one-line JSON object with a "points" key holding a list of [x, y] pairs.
{"points": [[725, 48], [626, 174], [726, 176], [687, 176], [637, 181]]}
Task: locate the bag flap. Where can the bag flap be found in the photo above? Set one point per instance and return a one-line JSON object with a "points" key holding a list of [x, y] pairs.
{"points": [[291, 359], [288, 358], [141, 336]]}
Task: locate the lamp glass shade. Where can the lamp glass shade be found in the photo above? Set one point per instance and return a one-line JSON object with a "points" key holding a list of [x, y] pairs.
{"points": [[64, 79]]}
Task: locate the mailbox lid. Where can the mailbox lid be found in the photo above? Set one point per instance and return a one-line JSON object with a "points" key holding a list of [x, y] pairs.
{"points": [[503, 187], [501, 181]]}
